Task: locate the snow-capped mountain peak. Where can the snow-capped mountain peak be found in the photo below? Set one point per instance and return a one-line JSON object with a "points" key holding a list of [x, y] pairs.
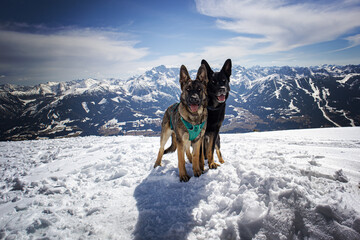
{"points": [[261, 98]]}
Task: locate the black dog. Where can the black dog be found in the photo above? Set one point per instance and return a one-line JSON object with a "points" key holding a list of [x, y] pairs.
{"points": [[218, 91]]}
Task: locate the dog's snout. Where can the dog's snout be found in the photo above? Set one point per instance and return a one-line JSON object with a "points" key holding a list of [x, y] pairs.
{"points": [[194, 98], [222, 90]]}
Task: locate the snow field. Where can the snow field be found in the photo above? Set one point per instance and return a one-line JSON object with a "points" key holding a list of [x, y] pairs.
{"points": [[273, 185]]}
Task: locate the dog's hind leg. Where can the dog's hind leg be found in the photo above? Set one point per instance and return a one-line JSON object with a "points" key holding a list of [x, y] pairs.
{"points": [[202, 153], [217, 148], [218, 153], [165, 134], [210, 142]]}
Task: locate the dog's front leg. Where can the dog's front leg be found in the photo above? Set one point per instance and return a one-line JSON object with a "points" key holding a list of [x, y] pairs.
{"points": [[184, 177], [189, 155], [196, 157]]}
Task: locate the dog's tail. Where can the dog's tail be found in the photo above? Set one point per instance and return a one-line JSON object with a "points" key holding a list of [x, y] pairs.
{"points": [[173, 145]]}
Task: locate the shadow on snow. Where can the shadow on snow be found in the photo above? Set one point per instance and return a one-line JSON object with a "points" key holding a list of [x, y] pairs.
{"points": [[165, 204]]}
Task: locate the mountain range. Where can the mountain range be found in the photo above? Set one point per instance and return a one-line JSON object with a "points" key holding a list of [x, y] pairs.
{"points": [[261, 99]]}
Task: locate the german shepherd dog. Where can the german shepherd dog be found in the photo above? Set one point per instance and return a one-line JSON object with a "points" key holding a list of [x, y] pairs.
{"points": [[186, 122], [218, 91]]}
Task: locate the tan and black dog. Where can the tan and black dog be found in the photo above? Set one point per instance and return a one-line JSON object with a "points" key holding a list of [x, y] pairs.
{"points": [[186, 122]]}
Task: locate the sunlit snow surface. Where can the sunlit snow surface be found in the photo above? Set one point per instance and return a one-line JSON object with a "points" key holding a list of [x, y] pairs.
{"points": [[274, 185]]}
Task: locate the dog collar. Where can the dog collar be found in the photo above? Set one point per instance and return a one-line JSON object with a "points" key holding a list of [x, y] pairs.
{"points": [[212, 108]]}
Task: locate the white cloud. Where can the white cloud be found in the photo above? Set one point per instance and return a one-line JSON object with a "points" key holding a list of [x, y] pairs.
{"points": [[262, 27], [283, 25], [236, 47], [273, 27], [354, 40], [66, 55]]}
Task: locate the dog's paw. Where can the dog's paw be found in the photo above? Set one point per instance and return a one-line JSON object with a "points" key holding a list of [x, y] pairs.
{"points": [[213, 165], [221, 160], [184, 178], [197, 173], [157, 165]]}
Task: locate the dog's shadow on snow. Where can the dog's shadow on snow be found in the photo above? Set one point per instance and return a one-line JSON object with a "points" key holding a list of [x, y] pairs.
{"points": [[165, 204]]}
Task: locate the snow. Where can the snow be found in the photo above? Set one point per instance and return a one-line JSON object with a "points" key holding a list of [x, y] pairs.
{"points": [[159, 113], [277, 92], [27, 101], [347, 77], [103, 101], [85, 107], [273, 185], [352, 122], [292, 107], [146, 98], [117, 99], [317, 99], [113, 125]]}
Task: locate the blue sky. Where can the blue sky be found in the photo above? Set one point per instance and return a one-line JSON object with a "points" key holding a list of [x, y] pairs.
{"points": [[48, 40]]}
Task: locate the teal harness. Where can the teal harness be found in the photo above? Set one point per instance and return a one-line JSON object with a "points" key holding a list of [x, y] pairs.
{"points": [[193, 130]]}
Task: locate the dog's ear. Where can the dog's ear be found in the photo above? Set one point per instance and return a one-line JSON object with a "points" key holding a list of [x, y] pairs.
{"points": [[227, 68], [208, 68], [202, 74], [184, 76]]}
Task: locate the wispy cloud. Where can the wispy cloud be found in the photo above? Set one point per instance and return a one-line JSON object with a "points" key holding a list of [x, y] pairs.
{"points": [[354, 40], [274, 28], [69, 53], [260, 32], [280, 25]]}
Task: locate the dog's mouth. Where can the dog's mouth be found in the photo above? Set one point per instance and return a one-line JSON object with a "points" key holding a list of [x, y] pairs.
{"points": [[194, 107], [221, 98]]}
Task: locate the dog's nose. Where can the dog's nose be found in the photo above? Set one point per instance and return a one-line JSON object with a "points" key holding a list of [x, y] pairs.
{"points": [[222, 90], [194, 99]]}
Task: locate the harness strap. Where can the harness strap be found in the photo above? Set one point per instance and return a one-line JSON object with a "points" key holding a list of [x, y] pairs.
{"points": [[193, 130]]}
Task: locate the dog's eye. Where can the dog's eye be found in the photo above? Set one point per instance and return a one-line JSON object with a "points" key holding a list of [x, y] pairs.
{"points": [[188, 89], [199, 89]]}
